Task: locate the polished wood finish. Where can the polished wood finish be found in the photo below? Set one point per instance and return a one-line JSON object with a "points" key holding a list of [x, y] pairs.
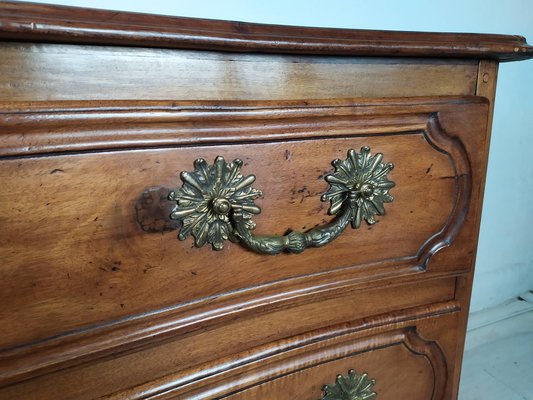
{"points": [[120, 261], [94, 132], [45, 23], [52, 72], [486, 87]]}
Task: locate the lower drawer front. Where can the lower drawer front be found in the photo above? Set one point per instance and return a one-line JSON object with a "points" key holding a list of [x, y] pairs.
{"points": [[379, 330], [390, 369], [413, 359]]}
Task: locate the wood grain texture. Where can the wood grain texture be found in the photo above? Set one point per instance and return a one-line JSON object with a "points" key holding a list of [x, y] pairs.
{"points": [[90, 253], [403, 365], [73, 127], [171, 365], [101, 111], [486, 87], [31, 72], [49, 23], [305, 363]]}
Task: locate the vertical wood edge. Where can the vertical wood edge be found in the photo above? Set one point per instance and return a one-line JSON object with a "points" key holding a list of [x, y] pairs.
{"points": [[485, 87]]}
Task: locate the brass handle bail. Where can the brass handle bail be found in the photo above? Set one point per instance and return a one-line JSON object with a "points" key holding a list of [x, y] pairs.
{"points": [[216, 203]]}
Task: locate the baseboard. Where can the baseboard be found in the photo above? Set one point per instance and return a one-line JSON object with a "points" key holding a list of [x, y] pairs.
{"points": [[512, 308]]}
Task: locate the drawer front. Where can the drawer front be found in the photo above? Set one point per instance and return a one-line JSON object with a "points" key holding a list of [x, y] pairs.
{"points": [[184, 362], [404, 360], [80, 201], [393, 365]]}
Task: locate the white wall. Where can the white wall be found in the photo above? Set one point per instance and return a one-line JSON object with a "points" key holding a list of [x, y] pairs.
{"points": [[505, 256]]}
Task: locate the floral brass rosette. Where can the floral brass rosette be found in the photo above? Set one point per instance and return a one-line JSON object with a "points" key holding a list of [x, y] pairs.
{"points": [[207, 197], [350, 387], [216, 203], [361, 177]]}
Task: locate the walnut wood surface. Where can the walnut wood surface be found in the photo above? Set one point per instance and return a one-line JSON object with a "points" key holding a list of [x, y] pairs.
{"points": [[238, 347], [50, 23], [89, 249], [61, 127], [87, 230], [101, 111], [404, 366], [434, 385], [486, 87], [68, 72]]}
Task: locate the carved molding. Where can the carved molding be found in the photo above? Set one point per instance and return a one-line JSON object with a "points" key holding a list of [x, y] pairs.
{"points": [[26, 22], [454, 149], [437, 360], [149, 329], [236, 374], [71, 127]]}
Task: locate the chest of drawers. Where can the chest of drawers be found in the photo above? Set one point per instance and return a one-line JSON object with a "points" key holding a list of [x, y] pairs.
{"points": [[308, 268]]}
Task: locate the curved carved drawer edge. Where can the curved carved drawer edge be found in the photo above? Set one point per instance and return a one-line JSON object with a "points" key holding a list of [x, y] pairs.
{"points": [[153, 216], [92, 120], [455, 150], [94, 343], [227, 379], [130, 333]]}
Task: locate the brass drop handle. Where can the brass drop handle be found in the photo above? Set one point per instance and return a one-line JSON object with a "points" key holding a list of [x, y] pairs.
{"points": [[216, 203]]}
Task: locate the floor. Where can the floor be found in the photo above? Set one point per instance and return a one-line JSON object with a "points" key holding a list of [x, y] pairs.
{"points": [[498, 360]]}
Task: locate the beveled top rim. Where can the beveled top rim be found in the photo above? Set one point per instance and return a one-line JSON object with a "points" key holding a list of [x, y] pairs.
{"points": [[21, 21]]}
